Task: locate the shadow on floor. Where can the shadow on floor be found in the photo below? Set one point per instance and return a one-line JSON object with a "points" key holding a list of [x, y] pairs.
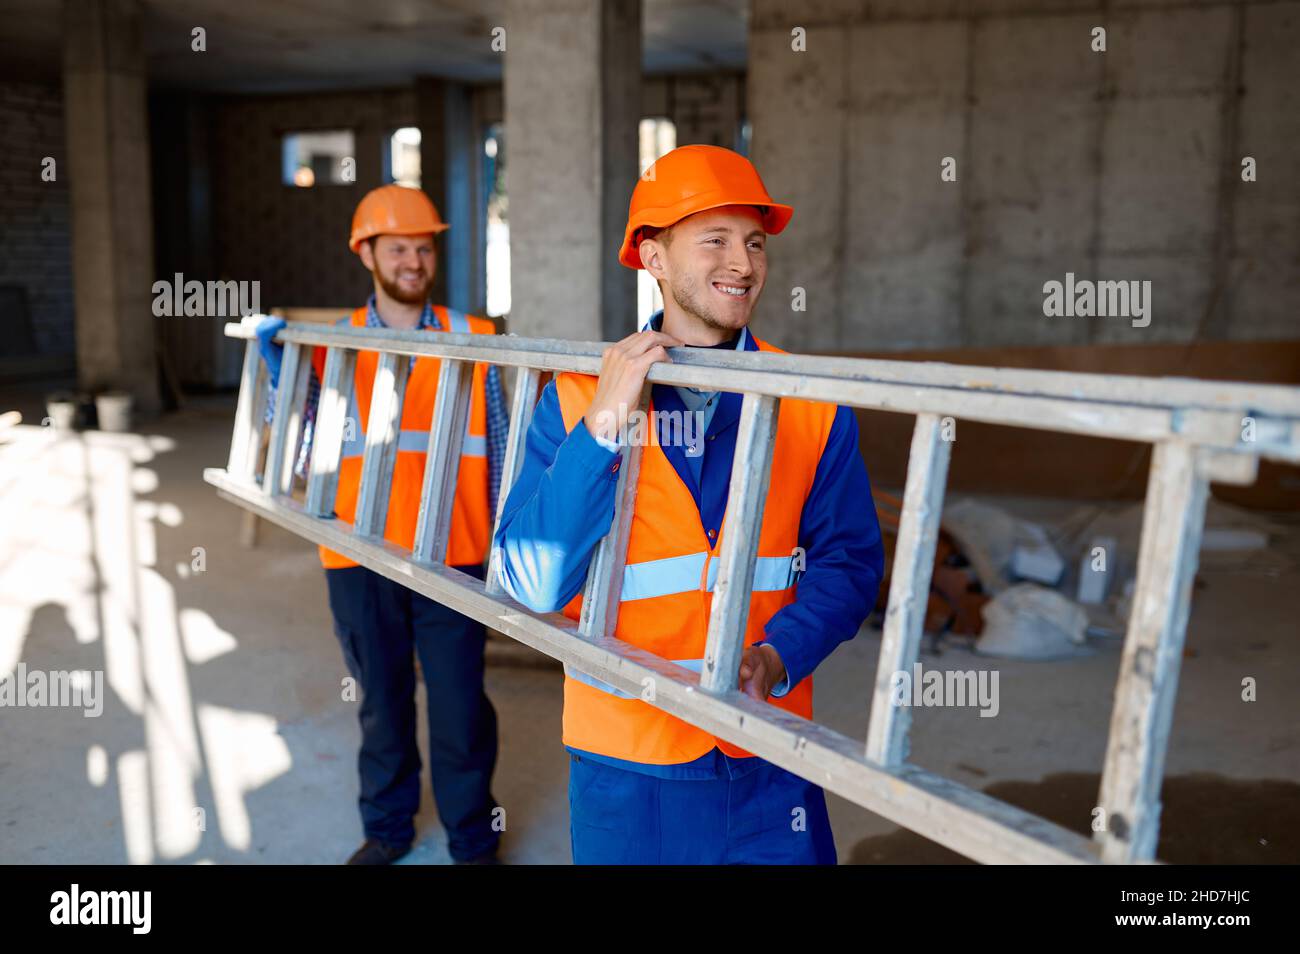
{"points": [[1206, 819]]}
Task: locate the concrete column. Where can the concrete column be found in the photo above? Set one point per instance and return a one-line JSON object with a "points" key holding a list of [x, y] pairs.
{"points": [[112, 220], [180, 149], [798, 104], [573, 104]]}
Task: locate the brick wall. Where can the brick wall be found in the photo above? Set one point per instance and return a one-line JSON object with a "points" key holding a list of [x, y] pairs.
{"points": [[35, 232], [294, 241]]}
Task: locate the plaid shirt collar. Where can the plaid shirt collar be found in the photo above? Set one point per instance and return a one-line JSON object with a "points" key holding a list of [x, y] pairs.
{"points": [[427, 318]]}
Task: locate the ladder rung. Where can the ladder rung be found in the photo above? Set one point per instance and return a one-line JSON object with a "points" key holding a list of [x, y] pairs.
{"points": [[250, 413], [1172, 522], [751, 471], [327, 440], [604, 586], [383, 427], [521, 417], [442, 461], [909, 587], [277, 476]]}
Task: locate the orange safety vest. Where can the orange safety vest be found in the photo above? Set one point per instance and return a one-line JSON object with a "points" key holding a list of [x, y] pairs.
{"points": [[668, 584], [471, 522]]}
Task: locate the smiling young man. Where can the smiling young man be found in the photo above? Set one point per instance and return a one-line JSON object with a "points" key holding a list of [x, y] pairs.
{"points": [[381, 625], [644, 786]]}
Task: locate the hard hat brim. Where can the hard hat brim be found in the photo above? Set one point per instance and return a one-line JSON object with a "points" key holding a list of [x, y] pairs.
{"points": [[364, 234], [776, 217]]}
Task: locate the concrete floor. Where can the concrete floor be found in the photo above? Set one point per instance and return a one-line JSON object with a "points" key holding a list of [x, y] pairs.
{"points": [[224, 739]]}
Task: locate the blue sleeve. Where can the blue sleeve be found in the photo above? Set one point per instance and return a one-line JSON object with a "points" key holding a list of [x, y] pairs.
{"points": [[844, 559], [557, 511]]}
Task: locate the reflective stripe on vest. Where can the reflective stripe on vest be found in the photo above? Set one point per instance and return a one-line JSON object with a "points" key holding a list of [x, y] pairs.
{"points": [[459, 323], [682, 574]]}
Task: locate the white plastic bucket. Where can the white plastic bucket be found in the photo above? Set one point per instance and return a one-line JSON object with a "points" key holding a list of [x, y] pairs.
{"points": [[62, 414], [114, 411]]}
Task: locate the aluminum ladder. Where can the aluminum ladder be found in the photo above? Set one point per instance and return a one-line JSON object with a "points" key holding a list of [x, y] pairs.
{"points": [[1201, 431]]}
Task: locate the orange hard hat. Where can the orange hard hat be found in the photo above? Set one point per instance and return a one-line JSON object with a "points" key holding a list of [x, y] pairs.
{"points": [[394, 210], [694, 179]]}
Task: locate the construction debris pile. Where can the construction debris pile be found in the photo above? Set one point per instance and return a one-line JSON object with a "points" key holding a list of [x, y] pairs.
{"points": [[1042, 589]]}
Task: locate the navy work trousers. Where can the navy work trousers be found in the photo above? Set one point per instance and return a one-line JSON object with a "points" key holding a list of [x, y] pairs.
{"points": [[763, 816], [381, 626]]}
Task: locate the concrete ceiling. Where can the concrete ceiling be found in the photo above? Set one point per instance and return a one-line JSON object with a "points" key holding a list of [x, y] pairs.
{"points": [[296, 45]]}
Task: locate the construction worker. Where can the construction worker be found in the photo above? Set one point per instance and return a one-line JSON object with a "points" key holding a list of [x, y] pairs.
{"points": [[644, 786], [380, 624]]}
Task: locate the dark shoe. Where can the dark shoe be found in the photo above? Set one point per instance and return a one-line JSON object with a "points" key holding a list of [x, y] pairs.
{"points": [[378, 853], [487, 858]]}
